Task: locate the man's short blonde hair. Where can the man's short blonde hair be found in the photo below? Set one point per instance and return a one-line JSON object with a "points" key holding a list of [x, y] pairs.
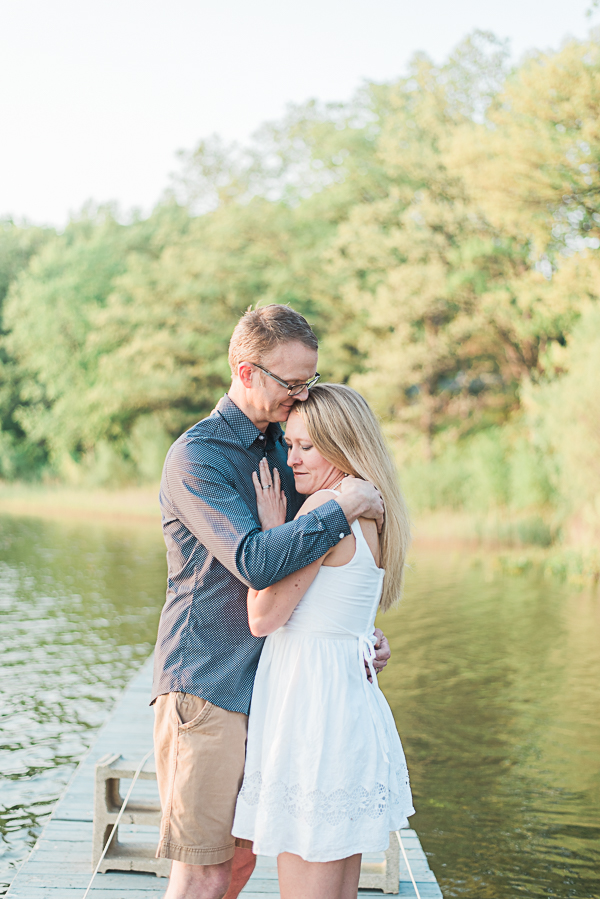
{"points": [[260, 331]]}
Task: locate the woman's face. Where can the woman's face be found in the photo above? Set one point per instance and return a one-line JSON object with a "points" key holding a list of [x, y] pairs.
{"points": [[311, 471]]}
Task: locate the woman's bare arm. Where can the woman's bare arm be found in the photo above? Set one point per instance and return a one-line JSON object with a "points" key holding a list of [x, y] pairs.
{"points": [[268, 609]]}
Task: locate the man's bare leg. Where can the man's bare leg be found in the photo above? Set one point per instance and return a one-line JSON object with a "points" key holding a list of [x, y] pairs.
{"points": [[224, 881], [243, 864]]}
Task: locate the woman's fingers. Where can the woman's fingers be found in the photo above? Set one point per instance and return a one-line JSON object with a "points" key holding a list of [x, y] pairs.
{"points": [[269, 483], [278, 489], [265, 474], [271, 500]]}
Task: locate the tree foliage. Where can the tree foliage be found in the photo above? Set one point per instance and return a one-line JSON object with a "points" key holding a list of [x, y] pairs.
{"points": [[441, 232]]}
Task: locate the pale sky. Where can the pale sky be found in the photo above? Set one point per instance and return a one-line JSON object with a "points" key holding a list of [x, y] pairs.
{"points": [[96, 98]]}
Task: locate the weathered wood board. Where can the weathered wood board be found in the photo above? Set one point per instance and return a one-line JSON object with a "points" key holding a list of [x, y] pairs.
{"points": [[59, 866]]}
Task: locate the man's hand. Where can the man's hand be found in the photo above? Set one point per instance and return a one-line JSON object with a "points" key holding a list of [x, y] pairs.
{"points": [[361, 499], [382, 652]]}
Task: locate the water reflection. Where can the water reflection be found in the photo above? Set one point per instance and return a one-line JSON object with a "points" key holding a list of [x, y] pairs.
{"points": [[495, 689], [494, 685], [79, 607]]}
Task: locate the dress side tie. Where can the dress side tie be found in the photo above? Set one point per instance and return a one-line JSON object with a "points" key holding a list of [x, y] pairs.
{"points": [[366, 655]]}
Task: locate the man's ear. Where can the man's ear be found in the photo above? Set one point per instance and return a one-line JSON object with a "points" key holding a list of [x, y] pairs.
{"points": [[246, 373]]}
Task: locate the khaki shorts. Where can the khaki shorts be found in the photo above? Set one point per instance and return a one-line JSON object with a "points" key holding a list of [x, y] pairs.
{"points": [[200, 751]]}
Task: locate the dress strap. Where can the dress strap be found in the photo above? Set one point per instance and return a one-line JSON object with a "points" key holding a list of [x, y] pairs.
{"points": [[358, 531], [362, 546]]}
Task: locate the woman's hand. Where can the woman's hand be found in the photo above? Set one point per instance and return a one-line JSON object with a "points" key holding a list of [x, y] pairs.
{"points": [[270, 499]]}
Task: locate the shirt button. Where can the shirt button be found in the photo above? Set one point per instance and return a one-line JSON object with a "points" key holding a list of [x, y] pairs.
{"points": [[261, 437], [342, 535]]}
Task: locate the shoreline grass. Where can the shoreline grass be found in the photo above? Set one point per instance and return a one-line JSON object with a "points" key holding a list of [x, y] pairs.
{"points": [[516, 543], [56, 501]]}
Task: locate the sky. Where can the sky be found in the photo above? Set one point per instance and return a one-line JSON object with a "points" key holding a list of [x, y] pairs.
{"points": [[96, 98]]}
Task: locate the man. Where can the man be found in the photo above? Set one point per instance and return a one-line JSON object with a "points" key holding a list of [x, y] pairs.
{"points": [[206, 657]]}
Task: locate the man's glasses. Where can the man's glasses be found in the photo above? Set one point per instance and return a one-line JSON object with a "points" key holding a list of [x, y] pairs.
{"points": [[292, 389]]}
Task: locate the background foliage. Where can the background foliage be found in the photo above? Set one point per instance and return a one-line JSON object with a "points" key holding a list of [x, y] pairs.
{"points": [[442, 234]]}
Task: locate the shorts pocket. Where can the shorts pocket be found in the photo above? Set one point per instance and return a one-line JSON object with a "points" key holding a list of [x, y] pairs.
{"points": [[192, 708]]}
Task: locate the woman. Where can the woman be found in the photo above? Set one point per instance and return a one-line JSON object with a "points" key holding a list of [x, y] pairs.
{"points": [[325, 776]]}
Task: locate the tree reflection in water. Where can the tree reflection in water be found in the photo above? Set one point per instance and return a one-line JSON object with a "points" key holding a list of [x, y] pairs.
{"points": [[495, 686], [79, 607], [494, 683]]}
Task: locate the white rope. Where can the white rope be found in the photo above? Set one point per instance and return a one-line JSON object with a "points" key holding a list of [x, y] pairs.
{"points": [[407, 864], [119, 816]]}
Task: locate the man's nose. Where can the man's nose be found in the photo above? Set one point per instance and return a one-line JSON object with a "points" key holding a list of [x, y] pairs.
{"points": [[303, 395]]}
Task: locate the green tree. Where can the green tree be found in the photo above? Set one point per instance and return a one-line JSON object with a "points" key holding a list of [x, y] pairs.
{"points": [[19, 456], [536, 169], [49, 317], [564, 414], [441, 232]]}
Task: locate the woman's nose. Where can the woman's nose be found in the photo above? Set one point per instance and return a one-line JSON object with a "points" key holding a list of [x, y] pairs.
{"points": [[293, 457]]}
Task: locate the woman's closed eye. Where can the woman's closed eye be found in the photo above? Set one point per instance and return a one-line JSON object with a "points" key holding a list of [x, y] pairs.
{"points": [[304, 448]]}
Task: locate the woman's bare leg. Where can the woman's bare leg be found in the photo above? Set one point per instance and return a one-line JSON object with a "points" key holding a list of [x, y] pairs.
{"points": [[351, 877], [317, 880]]}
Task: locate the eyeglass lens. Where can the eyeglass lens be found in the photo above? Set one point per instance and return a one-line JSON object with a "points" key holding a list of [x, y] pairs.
{"points": [[298, 388]]}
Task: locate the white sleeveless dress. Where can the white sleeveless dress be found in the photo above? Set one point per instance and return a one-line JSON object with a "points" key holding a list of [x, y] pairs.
{"points": [[325, 774]]}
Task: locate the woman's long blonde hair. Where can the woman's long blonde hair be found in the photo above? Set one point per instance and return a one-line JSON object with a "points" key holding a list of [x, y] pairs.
{"points": [[344, 430]]}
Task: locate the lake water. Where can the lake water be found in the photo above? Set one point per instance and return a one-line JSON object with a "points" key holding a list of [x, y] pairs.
{"points": [[495, 685]]}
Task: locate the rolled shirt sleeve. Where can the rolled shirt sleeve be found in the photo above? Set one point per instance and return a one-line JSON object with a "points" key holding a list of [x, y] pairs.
{"points": [[209, 504]]}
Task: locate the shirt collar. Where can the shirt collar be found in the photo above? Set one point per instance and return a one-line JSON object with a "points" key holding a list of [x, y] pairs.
{"points": [[244, 429]]}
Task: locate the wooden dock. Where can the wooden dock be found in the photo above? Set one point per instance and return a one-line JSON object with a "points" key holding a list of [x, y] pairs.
{"points": [[59, 866]]}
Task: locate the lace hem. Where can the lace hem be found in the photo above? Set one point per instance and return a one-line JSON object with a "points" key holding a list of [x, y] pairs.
{"points": [[315, 806]]}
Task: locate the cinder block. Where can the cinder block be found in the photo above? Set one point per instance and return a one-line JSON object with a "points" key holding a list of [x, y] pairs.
{"points": [[382, 872], [379, 871], [108, 799]]}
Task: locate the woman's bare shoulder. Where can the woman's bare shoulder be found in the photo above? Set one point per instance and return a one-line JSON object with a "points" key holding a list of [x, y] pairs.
{"points": [[369, 529], [315, 500]]}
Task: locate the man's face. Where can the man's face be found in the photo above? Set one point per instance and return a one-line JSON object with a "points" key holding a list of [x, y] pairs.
{"points": [[294, 363]]}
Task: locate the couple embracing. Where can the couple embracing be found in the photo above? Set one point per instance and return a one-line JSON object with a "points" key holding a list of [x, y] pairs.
{"points": [[279, 536]]}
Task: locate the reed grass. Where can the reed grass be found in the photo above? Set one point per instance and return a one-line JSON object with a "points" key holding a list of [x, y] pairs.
{"points": [[134, 504], [513, 543]]}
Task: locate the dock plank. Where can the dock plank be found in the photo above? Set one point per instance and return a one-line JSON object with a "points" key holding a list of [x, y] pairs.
{"points": [[59, 866]]}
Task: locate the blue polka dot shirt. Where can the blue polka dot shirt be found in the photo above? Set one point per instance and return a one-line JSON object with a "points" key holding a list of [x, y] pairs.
{"points": [[216, 550]]}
